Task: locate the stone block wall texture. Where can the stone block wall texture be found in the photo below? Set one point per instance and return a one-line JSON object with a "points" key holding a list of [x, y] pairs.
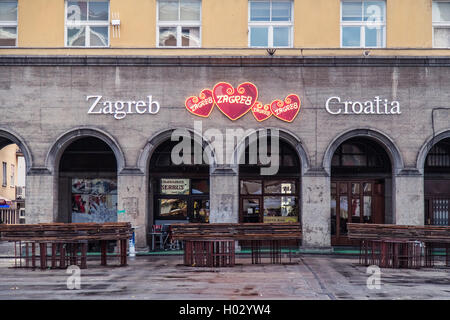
{"points": [[41, 103]]}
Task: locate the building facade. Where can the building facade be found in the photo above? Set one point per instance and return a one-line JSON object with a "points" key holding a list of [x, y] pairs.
{"points": [[92, 91]]}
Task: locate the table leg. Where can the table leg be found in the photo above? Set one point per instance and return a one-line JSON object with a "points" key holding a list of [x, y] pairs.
{"points": [[103, 252]]}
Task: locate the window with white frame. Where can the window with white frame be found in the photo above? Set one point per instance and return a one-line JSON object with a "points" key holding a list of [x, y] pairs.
{"points": [[270, 23], [363, 24], [8, 23], [441, 24], [179, 23], [5, 177], [12, 181], [87, 23]]}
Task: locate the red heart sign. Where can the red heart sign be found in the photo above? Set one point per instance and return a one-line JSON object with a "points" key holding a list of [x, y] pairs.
{"points": [[234, 103], [286, 110], [261, 112], [201, 106]]}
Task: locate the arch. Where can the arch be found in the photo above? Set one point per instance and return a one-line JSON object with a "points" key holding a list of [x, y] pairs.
{"points": [[16, 139], [286, 136], [64, 140], [162, 136], [427, 146], [386, 142]]}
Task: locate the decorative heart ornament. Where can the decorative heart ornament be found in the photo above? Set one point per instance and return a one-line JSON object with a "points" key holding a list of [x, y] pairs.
{"points": [[261, 112], [286, 110], [202, 105], [234, 103]]}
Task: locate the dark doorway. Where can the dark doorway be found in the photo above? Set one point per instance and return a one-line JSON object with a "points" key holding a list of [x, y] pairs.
{"points": [[88, 182], [437, 184], [360, 174]]}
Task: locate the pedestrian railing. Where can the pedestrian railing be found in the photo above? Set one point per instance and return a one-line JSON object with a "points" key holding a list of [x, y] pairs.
{"points": [[9, 216]]}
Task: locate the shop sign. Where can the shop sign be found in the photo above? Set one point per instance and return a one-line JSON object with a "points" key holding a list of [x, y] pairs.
{"points": [[236, 102], [121, 108], [334, 105], [278, 219], [174, 186], [287, 109], [202, 105]]}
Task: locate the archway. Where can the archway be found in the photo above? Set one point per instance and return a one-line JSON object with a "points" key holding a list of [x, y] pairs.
{"points": [[437, 183], [178, 190], [87, 182], [15, 161], [361, 186], [270, 168]]}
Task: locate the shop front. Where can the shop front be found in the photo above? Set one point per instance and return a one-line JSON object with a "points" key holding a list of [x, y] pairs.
{"points": [[357, 141], [270, 198], [179, 192]]}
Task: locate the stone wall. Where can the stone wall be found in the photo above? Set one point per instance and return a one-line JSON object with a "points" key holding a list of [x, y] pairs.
{"points": [[43, 102]]}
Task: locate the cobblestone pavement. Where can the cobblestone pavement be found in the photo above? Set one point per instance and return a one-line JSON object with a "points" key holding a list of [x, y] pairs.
{"points": [[163, 277]]}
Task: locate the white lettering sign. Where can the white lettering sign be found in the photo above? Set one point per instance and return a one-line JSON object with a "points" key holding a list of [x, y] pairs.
{"points": [[120, 109], [375, 106]]}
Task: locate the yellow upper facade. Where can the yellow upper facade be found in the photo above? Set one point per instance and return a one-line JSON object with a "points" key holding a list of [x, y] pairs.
{"points": [[316, 29]]}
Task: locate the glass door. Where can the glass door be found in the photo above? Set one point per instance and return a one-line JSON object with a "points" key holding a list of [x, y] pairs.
{"points": [[200, 211], [354, 202], [251, 210]]}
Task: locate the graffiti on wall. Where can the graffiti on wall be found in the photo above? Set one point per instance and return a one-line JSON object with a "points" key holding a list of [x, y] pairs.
{"points": [[94, 200]]}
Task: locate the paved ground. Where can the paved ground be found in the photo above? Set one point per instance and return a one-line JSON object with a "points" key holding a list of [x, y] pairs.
{"points": [[162, 277]]}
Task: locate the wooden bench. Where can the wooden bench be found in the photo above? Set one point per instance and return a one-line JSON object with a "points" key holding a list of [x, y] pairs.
{"points": [[399, 246], [68, 242], [213, 244]]}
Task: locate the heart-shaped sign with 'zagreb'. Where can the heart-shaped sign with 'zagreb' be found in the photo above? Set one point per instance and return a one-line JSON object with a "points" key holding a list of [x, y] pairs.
{"points": [[286, 110], [261, 112], [202, 105], [234, 103]]}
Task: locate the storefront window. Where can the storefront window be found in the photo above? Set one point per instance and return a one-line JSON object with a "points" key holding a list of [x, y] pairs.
{"points": [[276, 206], [280, 209], [173, 208], [251, 186], [182, 199], [94, 200]]}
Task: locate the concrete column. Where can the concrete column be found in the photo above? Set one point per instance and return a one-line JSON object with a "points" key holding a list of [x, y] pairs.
{"points": [[315, 211], [132, 191], [224, 196], [40, 201], [409, 200]]}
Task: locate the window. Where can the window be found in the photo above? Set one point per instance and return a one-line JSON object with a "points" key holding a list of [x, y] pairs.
{"points": [[87, 23], [441, 24], [363, 24], [12, 180], [179, 23], [4, 182], [182, 199], [270, 23], [279, 200], [8, 23]]}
